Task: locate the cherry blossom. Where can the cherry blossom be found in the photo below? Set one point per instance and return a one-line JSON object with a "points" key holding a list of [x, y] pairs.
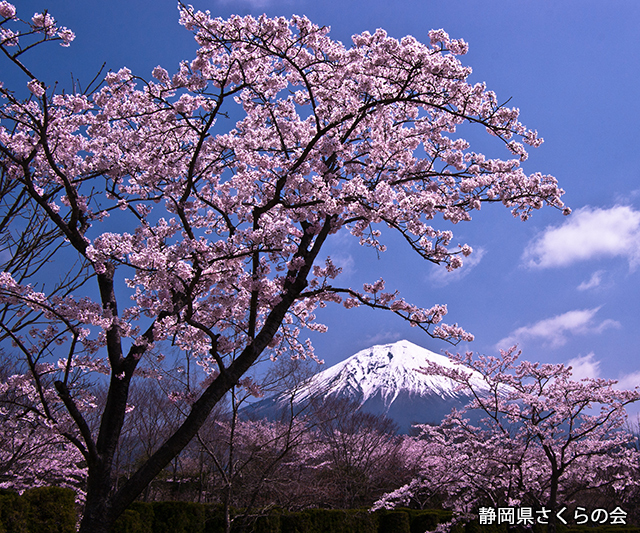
{"points": [[539, 439], [226, 222], [34, 451]]}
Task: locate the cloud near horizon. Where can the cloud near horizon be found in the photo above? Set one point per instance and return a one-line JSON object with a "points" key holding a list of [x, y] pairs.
{"points": [[584, 366], [383, 337], [554, 332], [587, 366], [587, 234]]}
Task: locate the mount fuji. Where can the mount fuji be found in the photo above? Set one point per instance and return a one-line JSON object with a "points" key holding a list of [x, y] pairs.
{"points": [[384, 379]]}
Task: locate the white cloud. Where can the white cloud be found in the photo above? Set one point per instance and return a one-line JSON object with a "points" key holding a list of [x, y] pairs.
{"points": [[588, 233], [345, 262], [593, 282], [588, 367], [441, 276], [338, 248], [383, 337], [628, 381], [584, 367], [554, 331]]}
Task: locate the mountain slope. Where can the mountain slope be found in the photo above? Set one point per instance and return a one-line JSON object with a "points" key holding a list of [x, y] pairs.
{"points": [[384, 379]]}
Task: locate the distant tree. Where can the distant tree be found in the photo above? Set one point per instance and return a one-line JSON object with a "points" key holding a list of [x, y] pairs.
{"points": [[362, 453], [33, 453], [544, 438], [144, 192], [249, 451], [151, 419]]}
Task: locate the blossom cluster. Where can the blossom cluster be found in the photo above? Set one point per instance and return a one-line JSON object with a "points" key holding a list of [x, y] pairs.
{"points": [[41, 24], [33, 452]]}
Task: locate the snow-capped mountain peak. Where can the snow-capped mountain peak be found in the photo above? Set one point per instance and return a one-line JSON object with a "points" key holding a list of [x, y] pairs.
{"points": [[386, 370], [383, 380]]}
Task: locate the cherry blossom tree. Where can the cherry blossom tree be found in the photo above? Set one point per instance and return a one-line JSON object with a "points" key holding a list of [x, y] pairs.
{"points": [[33, 453], [329, 455], [173, 229], [543, 438]]}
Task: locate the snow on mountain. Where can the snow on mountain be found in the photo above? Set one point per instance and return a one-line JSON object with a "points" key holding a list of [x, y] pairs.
{"points": [[385, 370], [384, 379]]}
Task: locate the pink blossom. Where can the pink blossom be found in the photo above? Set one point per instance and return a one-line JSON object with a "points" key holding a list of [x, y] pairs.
{"points": [[42, 20], [7, 10], [8, 37], [66, 35], [36, 87], [539, 436]]}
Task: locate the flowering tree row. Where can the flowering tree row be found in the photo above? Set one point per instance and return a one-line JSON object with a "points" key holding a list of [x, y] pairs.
{"points": [[541, 439], [33, 452], [545, 442]]}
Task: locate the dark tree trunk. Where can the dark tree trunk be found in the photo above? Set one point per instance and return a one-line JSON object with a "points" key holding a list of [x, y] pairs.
{"points": [[553, 502], [98, 515]]}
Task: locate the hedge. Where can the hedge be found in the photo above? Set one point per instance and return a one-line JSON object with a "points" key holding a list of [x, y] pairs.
{"points": [[39, 510], [52, 510], [330, 521]]}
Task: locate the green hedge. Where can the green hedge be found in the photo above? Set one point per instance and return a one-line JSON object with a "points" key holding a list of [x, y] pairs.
{"points": [[13, 513], [178, 517], [138, 518], [196, 518], [268, 524], [183, 517], [394, 522], [52, 510], [329, 520], [163, 517], [39, 510], [428, 520]]}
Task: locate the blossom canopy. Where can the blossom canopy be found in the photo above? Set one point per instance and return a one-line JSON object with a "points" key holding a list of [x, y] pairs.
{"points": [[206, 197]]}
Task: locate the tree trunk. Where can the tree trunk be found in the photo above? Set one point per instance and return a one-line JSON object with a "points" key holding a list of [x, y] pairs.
{"points": [[95, 520], [553, 503], [98, 515]]}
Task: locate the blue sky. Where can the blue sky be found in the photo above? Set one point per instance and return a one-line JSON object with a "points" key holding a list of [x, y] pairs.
{"points": [[564, 288]]}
